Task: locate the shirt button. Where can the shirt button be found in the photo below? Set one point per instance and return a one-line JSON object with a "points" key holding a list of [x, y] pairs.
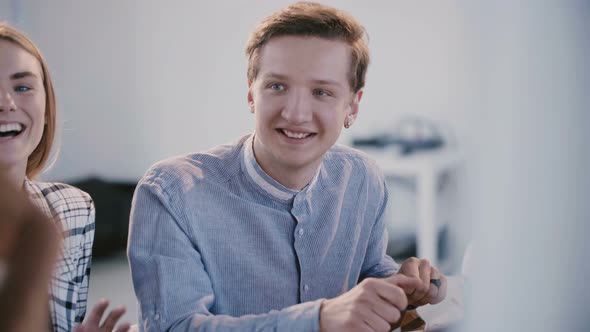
{"points": [[305, 288], [300, 232], [157, 317]]}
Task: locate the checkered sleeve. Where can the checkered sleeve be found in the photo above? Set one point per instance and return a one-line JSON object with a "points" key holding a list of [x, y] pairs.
{"points": [[84, 263], [74, 210]]}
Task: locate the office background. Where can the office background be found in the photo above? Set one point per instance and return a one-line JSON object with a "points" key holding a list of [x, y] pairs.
{"points": [[138, 81]]}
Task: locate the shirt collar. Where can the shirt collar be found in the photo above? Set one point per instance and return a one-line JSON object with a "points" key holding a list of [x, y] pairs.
{"points": [[265, 181], [260, 178], [37, 197]]}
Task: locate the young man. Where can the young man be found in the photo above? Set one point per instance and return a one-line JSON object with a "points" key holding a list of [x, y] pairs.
{"points": [[282, 230]]}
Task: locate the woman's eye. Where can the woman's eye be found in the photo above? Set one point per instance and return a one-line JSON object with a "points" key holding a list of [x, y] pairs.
{"points": [[22, 88], [277, 87]]}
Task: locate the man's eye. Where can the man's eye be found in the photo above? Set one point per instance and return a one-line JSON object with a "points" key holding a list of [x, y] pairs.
{"points": [[22, 88], [277, 87], [321, 93]]}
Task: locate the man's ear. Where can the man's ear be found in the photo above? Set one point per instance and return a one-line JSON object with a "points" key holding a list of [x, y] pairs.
{"points": [[250, 98], [354, 104]]}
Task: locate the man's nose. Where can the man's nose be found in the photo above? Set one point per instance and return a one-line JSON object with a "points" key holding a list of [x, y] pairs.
{"points": [[297, 109]]}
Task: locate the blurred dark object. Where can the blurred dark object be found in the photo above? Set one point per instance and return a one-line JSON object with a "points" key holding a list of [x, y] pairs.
{"points": [[403, 246], [407, 147], [113, 205], [410, 135]]}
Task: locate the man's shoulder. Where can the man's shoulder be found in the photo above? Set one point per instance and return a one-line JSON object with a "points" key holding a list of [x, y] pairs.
{"points": [[342, 155], [218, 164], [356, 168]]}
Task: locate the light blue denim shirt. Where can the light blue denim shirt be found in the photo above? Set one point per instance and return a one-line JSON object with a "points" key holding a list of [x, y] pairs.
{"points": [[216, 244]]}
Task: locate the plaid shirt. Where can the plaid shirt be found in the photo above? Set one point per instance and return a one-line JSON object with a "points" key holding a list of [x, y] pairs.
{"points": [[74, 210]]}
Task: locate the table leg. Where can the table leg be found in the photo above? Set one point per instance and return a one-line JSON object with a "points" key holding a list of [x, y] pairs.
{"points": [[426, 217]]}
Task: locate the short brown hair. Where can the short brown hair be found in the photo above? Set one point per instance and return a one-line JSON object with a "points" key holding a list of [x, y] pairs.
{"points": [[312, 20], [41, 154]]}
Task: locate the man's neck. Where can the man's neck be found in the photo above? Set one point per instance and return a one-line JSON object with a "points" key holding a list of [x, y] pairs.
{"points": [[292, 178]]}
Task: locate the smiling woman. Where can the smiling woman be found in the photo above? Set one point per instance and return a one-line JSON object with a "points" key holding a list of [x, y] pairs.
{"points": [[27, 135], [27, 130]]}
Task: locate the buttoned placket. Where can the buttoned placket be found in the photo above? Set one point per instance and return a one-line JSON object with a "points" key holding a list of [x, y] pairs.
{"points": [[300, 212]]}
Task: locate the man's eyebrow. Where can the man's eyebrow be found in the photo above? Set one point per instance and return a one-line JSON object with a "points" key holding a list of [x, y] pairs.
{"points": [[22, 74], [272, 75], [327, 82]]}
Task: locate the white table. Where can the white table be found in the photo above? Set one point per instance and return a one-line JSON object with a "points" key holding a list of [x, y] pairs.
{"points": [[425, 167]]}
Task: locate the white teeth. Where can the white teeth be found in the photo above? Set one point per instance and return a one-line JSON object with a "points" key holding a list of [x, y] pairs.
{"points": [[291, 134], [6, 127]]}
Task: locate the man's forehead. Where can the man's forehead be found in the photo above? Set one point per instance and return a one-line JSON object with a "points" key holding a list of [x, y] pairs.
{"points": [[318, 59], [289, 42]]}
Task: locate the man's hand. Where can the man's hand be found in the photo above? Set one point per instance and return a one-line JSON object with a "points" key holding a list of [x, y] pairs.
{"points": [[92, 323], [372, 305], [432, 284]]}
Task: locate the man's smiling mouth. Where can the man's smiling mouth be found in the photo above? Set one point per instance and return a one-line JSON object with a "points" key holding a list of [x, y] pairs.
{"points": [[296, 135]]}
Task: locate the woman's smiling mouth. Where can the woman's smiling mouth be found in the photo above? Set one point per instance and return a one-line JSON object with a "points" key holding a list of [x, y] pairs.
{"points": [[11, 130]]}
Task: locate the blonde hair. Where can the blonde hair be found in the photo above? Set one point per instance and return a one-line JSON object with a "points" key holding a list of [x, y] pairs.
{"points": [[39, 157]]}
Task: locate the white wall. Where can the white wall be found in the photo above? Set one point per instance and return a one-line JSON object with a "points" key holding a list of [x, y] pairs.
{"points": [[6, 13], [529, 183], [138, 81]]}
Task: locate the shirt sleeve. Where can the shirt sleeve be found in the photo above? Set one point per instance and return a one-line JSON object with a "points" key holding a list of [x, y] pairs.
{"points": [[377, 263], [84, 263], [172, 286]]}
